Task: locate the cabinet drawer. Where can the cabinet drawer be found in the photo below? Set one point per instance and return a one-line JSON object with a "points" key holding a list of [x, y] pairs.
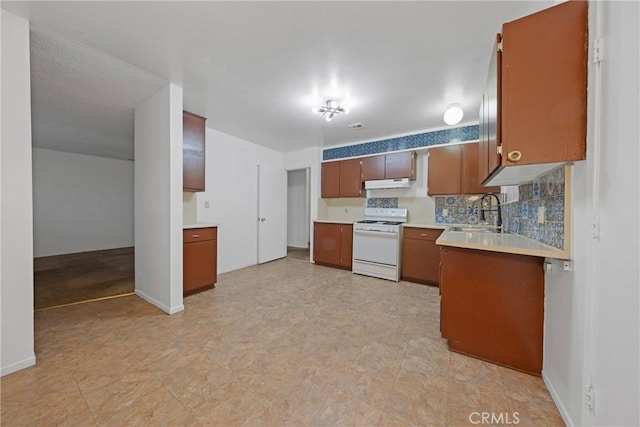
{"points": [[199, 234], [421, 233]]}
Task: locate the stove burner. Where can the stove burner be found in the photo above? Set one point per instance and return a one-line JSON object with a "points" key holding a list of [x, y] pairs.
{"points": [[368, 221], [392, 223]]}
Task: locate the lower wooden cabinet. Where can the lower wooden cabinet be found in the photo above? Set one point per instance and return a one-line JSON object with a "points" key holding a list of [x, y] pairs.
{"points": [[333, 244], [200, 259], [420, 255], [492, 306]]}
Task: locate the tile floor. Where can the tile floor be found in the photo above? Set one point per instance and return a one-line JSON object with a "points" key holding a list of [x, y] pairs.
{"points": [[285, 343]]}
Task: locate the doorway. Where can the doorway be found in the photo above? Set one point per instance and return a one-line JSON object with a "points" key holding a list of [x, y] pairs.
{"points": [[298, 214]]}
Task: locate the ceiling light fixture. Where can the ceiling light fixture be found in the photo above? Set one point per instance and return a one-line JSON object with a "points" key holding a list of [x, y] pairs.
{"points": [[330, 109], [453, 115]]}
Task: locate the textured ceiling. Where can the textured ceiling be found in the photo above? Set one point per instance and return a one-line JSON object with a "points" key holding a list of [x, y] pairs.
{"points": [[83, 99], [255, 69]]}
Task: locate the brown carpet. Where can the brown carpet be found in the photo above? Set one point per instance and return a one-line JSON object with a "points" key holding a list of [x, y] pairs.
{"points": [[69, 278], [298, 253]]}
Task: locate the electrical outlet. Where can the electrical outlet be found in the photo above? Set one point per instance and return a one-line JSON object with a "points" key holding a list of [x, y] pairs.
{"points": [[541, 213], [206, 204]]}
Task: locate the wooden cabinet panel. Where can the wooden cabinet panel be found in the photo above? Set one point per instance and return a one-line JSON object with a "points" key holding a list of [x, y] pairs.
{"points": [[492, 306], [350, 178], [544, 86], [444, 168], [470, 176], [199, 259], [400, 165], [535, 102], [421, 255], [326, 243], [330, 179], [333, 244], [346, 246], [373, 167], [193, 152]]}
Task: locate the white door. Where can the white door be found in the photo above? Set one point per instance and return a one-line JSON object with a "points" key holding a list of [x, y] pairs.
{"points": [[272, 213]]}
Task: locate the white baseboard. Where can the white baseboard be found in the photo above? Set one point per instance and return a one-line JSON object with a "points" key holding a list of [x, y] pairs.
{"points": [[29, 361], [556, 399], [161, 306]]}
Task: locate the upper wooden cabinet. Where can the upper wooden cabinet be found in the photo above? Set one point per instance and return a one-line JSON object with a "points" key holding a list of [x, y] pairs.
{"points": [[400, 165], [536, 96], [389, 166], [341, 179], [454, 169], [373, 167], [443, 172], [193, 151]]}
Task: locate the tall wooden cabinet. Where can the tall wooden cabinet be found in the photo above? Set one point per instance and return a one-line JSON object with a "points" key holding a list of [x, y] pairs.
{"points": [[534, 109], [199, 259], [333, 244], [454, 169], [193, 151]]}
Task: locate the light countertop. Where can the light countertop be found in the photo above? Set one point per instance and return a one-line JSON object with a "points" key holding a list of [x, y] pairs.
{"points": [[426, 225], [499, 242], [333, 221], [198, 225]]}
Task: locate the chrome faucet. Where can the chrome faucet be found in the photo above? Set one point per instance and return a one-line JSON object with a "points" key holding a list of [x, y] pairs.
{"points": [[483, 210]]}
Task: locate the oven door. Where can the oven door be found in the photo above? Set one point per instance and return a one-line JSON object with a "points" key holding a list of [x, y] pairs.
{"points": [[376, 246]]}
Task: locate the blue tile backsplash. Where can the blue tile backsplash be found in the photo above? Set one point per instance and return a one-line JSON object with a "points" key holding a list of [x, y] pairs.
{"points": [[521, 217], [382, 202], [427, 139], [462, 209]]}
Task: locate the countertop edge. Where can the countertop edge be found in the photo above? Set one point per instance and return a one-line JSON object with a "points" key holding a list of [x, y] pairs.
{"points": [[199, 225], [333, 221], [543, 253]]}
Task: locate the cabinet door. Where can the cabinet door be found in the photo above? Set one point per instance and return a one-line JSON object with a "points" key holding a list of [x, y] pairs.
{"points": [[421, 255], [470, 178], [330, 179], [373, 168], [346, 246], [544, 87], [444, 169], [193, 152], [199, 265], [493, 113], [326, 243], [400, 165], [350, 178]]}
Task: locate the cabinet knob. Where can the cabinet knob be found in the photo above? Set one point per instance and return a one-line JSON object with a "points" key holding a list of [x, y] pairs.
{"points": [[514, 156]]}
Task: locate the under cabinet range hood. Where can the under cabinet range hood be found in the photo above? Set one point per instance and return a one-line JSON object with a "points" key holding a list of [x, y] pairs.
{"points": [[386, 183]]}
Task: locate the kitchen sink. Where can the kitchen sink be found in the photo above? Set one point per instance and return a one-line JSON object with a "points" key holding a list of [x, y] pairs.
{"points": [[475, 229]]}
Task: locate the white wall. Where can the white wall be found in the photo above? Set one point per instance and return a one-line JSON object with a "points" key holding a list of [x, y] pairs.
{"points": [[158, 199], [16, 232], [80, 203], [592, 328], [616, 371], [231, 190], [297, 209]]}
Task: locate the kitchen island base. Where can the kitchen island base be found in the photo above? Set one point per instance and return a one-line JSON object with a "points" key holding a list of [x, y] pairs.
{"points": [[492, 306]]}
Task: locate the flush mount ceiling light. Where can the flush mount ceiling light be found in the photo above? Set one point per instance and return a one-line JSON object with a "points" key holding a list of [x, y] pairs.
{"points": [[453, 115], [330, 109]]}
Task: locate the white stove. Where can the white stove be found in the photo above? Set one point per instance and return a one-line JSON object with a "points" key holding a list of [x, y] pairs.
{"points": [[376, 243]]}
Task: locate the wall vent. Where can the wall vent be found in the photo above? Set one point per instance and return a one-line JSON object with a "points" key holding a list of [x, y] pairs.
{"points": [[356, 126]]}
